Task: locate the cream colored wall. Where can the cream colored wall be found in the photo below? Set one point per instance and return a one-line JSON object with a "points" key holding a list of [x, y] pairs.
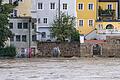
{"points": [[24, 8]]}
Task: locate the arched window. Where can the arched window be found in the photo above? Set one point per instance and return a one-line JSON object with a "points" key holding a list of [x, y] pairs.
{"points": [[109, 26]]}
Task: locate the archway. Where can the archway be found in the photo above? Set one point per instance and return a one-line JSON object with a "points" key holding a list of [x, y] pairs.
{"points": [[109, 26], [97, 50]]}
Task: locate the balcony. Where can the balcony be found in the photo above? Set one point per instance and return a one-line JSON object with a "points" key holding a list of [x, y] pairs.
{"points": [[107, 14]]}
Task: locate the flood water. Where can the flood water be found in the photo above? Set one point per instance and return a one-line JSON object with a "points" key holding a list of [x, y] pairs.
{"points": [[60, 69]]}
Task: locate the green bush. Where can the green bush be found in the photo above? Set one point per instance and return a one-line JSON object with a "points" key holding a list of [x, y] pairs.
{"points": [[8, 52]]}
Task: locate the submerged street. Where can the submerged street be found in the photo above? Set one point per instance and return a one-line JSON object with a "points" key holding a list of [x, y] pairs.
{"points": [[60, 69]]}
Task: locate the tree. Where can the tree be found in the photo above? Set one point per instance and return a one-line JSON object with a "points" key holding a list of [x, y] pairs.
{"points": [[5, 33], [63, 27]]}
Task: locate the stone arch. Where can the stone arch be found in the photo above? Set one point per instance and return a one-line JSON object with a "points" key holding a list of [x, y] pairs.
{"points": [[109, 26]]}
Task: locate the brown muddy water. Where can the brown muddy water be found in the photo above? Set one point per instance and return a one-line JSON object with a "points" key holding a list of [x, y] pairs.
{"points": [[60, 69]]}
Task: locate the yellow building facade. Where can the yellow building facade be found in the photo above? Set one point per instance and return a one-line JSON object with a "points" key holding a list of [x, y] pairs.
{"points": [[86, 15], [24, 8], [101, 19], [107, 20]]}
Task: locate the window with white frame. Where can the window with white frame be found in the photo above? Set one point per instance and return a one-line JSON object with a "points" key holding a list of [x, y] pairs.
{"points": [[109, 6], [90, 6], [65, 6], [91, 23], [40, 5], [100, 26], [81, 22], [80, 6], [45, 20], [52, 5]]}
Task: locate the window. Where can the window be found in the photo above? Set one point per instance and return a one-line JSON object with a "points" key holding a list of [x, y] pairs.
{"points": [[25, 25], [24, 38], [19, 25], [22, 50], [110, 6], [39, 20], [12, 38], [15, 13], [40, 5], [45, 20], [100, 26], [20, 0], [90, 22], [34, 38], [80, 6], [64, 6], [18, 38], [43, 35], [11, 25], [80, 22], [90, 6], [52, 36], [33, 26], [52, 5], [10, 1]]}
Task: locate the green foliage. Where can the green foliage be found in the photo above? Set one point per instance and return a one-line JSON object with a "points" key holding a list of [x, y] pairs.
{"points": [[8, 52], [63, 27], [5, 33], [106, 12], [75, 36]]}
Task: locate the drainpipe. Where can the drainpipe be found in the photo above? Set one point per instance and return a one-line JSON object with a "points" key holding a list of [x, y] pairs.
{"points": [[118, 9], [59, 11], [29, 43]]}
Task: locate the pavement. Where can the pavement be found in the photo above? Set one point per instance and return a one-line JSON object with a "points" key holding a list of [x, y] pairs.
{"points": [[60, 69]]}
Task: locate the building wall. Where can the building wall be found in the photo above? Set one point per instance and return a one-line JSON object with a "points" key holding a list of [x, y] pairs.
{"points": [[50, 14], [21, 44], [85, 15], [104, 5], [104, 24], [24, 8]]}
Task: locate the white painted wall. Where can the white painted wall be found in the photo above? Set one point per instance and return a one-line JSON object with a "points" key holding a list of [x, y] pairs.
{"points": [[46, 12]]}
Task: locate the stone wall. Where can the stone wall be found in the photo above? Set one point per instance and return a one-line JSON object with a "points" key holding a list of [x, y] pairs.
{"points": [[78, 50], [66, 49]]}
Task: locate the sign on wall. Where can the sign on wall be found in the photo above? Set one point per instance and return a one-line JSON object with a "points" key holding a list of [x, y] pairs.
{"points": [[82, 39]]}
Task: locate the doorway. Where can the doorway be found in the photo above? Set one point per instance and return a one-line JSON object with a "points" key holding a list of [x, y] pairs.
{"points": [[96, 50]]}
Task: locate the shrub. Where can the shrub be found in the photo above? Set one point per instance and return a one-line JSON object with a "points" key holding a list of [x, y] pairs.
{"points": [[8, 52]]}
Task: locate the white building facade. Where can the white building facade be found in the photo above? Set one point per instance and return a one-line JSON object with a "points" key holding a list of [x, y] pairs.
{"points": [[22, 26], [46, 11]]}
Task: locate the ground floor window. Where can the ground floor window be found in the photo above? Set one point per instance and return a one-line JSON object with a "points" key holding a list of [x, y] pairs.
{"points": [[43, 35], [34, 38], [24, 38], [18, 38]]}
